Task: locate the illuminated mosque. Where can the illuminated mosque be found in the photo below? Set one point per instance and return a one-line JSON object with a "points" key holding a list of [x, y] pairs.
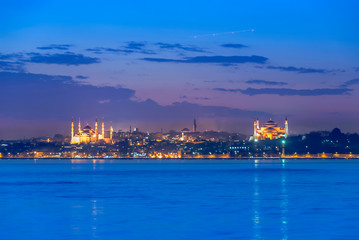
{"points": [[270, 130], [89, 135]]}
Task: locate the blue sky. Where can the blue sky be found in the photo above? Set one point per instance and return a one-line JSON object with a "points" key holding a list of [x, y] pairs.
{"points": [[247, 59]]}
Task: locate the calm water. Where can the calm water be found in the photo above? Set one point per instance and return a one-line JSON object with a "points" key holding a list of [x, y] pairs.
{"points": [[189, 199]]}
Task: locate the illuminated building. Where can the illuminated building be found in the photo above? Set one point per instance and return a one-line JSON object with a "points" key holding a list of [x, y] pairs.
{"points": [[270, 130], [184, 136], [89, 135]]}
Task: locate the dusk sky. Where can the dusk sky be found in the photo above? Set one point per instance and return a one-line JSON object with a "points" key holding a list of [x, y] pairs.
{"points": [[159, 64]]}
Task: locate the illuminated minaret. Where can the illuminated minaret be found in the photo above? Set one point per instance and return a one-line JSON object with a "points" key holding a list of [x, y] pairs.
{"points": [[72, 130], [96, 131], [79, 126], [286, 127], [111, 131], [255, 129], [103, 129]]}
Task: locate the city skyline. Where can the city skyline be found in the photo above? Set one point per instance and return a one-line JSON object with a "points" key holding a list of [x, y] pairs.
{"points": [[154, 67]]}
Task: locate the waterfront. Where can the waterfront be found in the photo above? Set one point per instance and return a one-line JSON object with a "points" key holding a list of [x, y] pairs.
{"points": [[179, 199]]}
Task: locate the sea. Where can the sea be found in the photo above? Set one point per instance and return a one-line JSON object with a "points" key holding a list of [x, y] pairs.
{"points": [[179, 199]]}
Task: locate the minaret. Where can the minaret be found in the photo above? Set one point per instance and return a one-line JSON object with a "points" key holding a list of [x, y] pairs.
{"points": [[72, 130], [286, 127], [255, 129], [194, 125], [96, 130], [111, 131], [103, 129], [79, 126]]}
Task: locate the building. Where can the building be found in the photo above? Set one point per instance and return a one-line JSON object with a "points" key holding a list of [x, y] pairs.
{"points": [[194, 125], [90, 135], [270, 130]]}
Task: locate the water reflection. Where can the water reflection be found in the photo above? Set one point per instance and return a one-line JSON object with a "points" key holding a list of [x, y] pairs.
{"points": [[260, 204], [284, 203], [94, 214], [256, 202], [96, 163], [262, 199]]}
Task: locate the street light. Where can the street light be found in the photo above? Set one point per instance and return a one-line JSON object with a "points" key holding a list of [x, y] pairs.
{"points": [[283, 146]]}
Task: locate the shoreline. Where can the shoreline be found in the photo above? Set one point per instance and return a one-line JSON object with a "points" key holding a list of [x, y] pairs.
{"points": [[194, 158]]}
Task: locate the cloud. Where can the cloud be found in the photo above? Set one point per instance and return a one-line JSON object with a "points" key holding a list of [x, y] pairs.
{"points": [[81, 77], [11, 62], [223, 60], [233, 45], [350, 82], [101, 50], [11, 66], [47, 99], [135, 45], [39, 95], [265, 82], [10, 56], [68, 58], [56, 47], [201, 98], [298, 70], [179, 47], [289, 91], [104, 101]]}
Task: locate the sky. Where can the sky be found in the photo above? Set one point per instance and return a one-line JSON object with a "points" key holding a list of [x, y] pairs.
{"points": [[160, 64]]}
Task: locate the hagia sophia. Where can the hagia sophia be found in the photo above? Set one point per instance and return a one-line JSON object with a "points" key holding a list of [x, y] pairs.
{"points": [[270, 130], [89, 135]]}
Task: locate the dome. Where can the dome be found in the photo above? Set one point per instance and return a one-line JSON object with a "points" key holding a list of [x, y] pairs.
{"points": [[270, 130], [87, 127], [88, 130], [270, 124]]}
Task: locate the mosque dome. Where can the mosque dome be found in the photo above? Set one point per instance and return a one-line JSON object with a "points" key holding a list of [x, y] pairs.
{"points": [[270, 124], [270, 130], [88, 129]]}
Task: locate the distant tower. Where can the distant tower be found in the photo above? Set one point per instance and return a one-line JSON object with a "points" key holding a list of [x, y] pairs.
{"points": [[111, 131], [194, 125], [79, 125], [72, 130], [286, 127], [103, 129]]}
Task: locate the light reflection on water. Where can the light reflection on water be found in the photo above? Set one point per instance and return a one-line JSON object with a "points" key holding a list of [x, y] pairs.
{"points": [[182, 199], [256, 209], [284, 204]]}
